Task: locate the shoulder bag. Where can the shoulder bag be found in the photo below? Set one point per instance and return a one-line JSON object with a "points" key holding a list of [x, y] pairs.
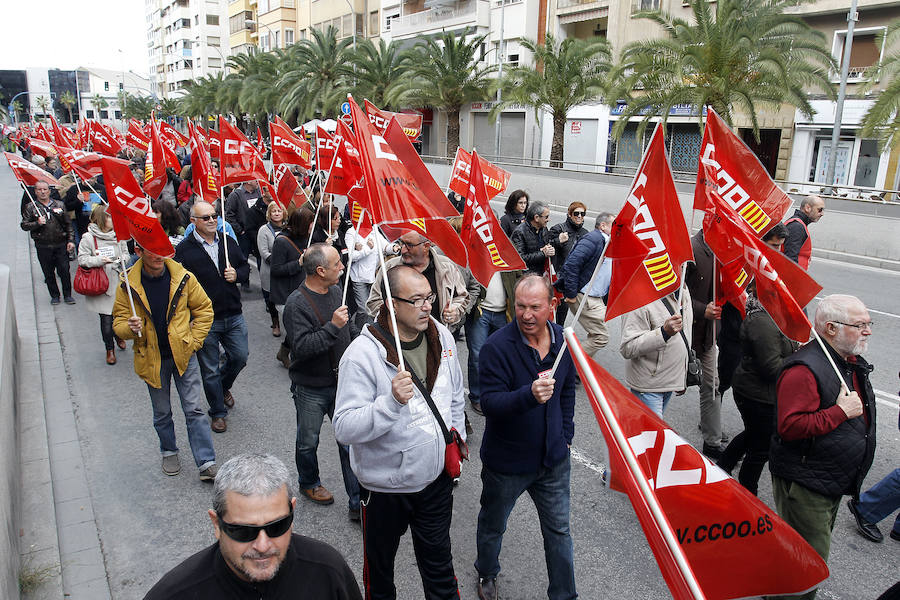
{"points": [[91, 281], [694, 376]]}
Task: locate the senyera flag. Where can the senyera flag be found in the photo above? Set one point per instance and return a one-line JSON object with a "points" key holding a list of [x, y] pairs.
{"points": [[782, 286], [393, 194], [131, 211], [27, 172], [239, 160], [495, 178], [653, 213], [489, 249], [410, 122], [730, 170], [285, 185], [711, 538], [203, 179], [287, 146], [438, 230]]}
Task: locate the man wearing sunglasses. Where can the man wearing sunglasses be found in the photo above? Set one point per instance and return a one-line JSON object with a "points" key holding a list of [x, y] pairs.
{"points": [[257, 555], [396, 443], [798, 245], [825, 425]]}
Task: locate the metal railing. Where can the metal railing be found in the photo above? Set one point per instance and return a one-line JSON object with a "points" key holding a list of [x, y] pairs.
{"points": [[571, 3], [433, 17]]}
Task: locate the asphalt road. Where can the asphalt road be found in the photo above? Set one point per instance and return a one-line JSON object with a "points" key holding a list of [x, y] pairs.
{"points": [[149, 522]]}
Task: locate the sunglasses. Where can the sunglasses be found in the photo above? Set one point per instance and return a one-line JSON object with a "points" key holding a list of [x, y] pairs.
{"points": [[248, 533], [205, 217], [578, 213]]}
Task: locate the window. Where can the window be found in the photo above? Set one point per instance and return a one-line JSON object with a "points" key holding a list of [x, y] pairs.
{"points": [[639, 5], [213, 41], [196, 19], [288, 37], [214, 63], [262, 7], [512, 60], [118, 114], [121, 86], [388, 17], [864, 53], [89, 114], [238, 22], [104, 114], [105, 86], [212, 19]]}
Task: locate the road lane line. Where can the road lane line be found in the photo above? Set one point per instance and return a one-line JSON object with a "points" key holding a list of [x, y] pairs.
{"points": [[851, 265], [887, 399], [587, 461]]}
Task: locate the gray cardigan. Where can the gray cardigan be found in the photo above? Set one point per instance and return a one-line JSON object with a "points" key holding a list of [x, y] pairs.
{"points": [[265, 239]]}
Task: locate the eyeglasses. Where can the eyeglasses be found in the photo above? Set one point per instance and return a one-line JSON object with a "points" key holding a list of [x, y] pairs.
{"points": [[858, 326], [248, 533], [408, 245], [204, 217], [418, 302], [578, 213]]}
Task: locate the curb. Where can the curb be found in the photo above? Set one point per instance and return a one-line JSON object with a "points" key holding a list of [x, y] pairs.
{"points": [[857, 259]]}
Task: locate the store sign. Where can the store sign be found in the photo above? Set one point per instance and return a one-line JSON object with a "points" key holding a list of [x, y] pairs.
{"points": [[575, 127]]}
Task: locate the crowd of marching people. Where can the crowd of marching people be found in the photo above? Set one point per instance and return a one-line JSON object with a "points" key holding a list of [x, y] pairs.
{"points": [[392, 384]]}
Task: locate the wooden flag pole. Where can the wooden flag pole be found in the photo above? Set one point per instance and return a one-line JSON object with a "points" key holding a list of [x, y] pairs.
{"points": [[389, 302]]}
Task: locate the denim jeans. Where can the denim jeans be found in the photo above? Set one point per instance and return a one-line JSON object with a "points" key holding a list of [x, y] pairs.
{"points": [[189, 390], [882, 499], [231, 333], [549, 490], [655, 401], [477, 331], [312, 404]]}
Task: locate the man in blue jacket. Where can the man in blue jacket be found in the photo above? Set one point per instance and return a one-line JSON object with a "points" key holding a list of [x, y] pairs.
{"points": [[580, 285], [527, 436]]}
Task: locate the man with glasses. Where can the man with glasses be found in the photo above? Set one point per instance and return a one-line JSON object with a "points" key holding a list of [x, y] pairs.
{"points": [[825, 438], [203, 254], [531, 238], [257, 555], [442, 274], [798, 246], [396, 442]]}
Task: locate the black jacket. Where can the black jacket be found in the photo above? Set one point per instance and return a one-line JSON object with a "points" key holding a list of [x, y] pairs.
{"points": [[836, 463], [509, 222], [797, 235], [316, 346], [576, 232], [225, 296], [311, 569], [528, 242], [764, 349], [57, 229], [286, 271], [699, 281], [236, 208]]}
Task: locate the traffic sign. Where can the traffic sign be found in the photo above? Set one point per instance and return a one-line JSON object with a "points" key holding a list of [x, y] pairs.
{"points": [[346, 118], [345, 108]]}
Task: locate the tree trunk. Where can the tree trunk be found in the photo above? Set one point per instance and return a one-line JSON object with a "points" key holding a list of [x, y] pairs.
{"points": [[69, 108], [556, 149], [452, 132]]}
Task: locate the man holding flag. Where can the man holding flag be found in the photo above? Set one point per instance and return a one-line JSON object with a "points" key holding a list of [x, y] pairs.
{"points": [[51, 229]]}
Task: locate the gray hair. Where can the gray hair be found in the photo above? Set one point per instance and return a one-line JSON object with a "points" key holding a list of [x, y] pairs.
{"points": [[534, 209], [604, 217], [810, 200], [250, 475], [834, 308], [314, 257]]}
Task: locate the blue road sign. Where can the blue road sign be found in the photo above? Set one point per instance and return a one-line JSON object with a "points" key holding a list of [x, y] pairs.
{"points": [[345, 108]]}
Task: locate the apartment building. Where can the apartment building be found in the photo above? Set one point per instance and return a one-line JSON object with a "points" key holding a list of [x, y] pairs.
{"points": [[186, 40], [241, 26]]}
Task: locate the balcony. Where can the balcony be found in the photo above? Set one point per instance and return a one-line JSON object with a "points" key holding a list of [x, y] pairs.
{"points": [[574, 11], [450, 16]]}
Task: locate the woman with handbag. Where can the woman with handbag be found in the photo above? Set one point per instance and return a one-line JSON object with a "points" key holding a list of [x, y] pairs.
{"points": [[99, 259]]}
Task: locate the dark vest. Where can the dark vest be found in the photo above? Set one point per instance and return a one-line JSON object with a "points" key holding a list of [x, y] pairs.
{"points": [[836, 463]]}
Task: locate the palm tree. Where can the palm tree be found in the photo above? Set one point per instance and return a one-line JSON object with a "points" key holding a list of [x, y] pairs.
{"points": [[43, 103], [317, 76], [378, 70], [68, 100], [137, 107], [200, 100], [169, 107], [735, 56], [99, 103], [883, 118], [443, 73], [564, 75], [18, 109]]}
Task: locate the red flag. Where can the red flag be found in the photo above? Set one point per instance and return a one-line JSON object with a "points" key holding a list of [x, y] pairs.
{"points": [[730, 170], [495, 178], [325, 149], [203, 180], [214, 141], [28, 173], [103, 141], [438, 230], [288, 147], [131, 210], [410, 122], [85, 164], [782, 287], [344, 174], [42, 148], [169, 132], [61, 135], [285, 185], [239, 160], [155, 178], [359, 216], [42, 133], [704, 528], [393, 194], [731, 285], [653, 213], [260, 144], [82, 131], [135, 136]]}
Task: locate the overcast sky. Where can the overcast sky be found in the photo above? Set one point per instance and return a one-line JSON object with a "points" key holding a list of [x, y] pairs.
{"points": [[66, 34]]}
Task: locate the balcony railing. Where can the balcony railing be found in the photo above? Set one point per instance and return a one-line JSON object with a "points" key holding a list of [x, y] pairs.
{"points": [[580, 4], [434, 18]]}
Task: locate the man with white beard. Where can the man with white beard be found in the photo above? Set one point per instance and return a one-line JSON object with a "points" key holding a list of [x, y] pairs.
{"points": [[825, 438]]}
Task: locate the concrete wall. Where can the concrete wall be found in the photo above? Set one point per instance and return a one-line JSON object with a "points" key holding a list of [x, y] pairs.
{"points": [[10, 504]]}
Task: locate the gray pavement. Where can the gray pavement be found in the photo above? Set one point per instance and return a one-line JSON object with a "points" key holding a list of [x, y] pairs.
{"points": [[146, 523]]}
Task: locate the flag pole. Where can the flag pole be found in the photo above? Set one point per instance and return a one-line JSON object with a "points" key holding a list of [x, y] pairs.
{"points": [[647, 493], [831, 361], [27, 193], [681, 286], [388, 301], [350, 262], [715, 346], [128, 287], [581, 304], [224, 225]]}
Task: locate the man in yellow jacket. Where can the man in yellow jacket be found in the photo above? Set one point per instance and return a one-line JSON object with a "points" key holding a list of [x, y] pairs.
{"points": [[174, 315]]}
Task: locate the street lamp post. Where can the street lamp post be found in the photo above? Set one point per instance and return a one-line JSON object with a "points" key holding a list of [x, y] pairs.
{"points": [[852, 17], [501, 57], [249, 22]]}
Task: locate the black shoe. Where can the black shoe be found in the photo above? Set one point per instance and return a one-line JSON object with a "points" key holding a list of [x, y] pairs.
{"points": [[712, 452], [895, 535], [54, 301], [476, 406], [865, 529], [69, 300], [487, 588], [353, 514]]}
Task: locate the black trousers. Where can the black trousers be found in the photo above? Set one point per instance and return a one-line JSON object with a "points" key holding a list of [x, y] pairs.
{"points": [[752, 443], [427, 513], [55, 261], [106, 331]]}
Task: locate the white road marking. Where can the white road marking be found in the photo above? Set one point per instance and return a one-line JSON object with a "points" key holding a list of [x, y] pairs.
{"points": [[587, 461], [872, 310], [887, 399], [850, 265]]}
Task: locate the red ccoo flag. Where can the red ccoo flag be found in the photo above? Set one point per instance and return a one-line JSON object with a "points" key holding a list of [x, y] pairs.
{"points": [[285, 185], [155, 177], [711, 538], [239, 160], [653, 213], [135, 136], [131, 211], [410, 122], [28, 173], [170, 133], [325, 149], [260, 144], [730, 170], [61, 135], [203, 179], [85, 164], [495, 178], [288, 147], [42, 148], [345, 170]]}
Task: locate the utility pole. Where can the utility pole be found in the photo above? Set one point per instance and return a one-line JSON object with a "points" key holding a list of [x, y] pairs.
{"points": [[501, 56], [852, 18]]}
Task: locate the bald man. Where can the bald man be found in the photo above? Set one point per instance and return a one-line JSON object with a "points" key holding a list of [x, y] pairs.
{"points": [[798, 246]]}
